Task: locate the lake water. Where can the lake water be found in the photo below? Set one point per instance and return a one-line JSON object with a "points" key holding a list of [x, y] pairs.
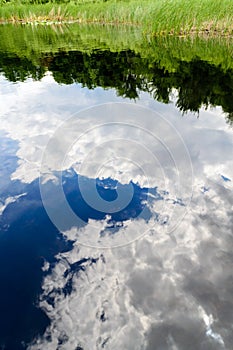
{"points": [[116, 185]]}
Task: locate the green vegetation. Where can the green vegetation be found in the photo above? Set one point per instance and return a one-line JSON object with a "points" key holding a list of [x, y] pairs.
{"points": [[31, 42], [200, 70], [158, 17]]}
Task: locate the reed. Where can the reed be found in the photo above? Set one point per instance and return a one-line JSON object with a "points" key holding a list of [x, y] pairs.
{"points": [[156, 17]]}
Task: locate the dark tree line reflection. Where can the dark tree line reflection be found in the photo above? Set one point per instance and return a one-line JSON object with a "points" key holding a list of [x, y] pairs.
{"points": [[197, 82]]}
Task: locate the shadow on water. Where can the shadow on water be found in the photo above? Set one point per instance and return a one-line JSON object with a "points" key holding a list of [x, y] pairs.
{"points": [[201, 71]]}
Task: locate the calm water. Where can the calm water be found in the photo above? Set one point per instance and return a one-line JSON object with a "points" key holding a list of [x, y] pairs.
{"points": [[116, 201]]}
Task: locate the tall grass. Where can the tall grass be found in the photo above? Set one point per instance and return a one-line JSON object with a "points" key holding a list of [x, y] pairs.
{"points": [[159, 17]]}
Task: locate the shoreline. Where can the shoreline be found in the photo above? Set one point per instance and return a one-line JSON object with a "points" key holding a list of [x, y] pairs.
{"points": [[204, 32]]}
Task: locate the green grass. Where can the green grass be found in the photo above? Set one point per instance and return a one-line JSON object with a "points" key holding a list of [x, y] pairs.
{"points": [[157, 17]]}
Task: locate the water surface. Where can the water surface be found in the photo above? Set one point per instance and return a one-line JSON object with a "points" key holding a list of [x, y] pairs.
{"points": [[116, 191]]}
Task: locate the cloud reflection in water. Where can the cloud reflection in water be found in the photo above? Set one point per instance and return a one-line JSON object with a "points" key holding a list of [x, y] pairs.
{"points": [[164, 291]]}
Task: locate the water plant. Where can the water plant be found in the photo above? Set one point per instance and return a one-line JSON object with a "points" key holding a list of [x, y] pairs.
{"points": [[157, 17]]}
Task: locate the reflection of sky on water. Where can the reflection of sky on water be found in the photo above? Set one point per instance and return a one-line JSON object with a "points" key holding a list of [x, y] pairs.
{"points": [[165, 290]]}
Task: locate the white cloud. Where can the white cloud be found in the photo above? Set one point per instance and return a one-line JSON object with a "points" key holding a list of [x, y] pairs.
{"points": [[30, 113], [145, 293], [8, 201]]}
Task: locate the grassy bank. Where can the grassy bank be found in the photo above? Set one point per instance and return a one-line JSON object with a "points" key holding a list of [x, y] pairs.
{"points": [[158, 17]]}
